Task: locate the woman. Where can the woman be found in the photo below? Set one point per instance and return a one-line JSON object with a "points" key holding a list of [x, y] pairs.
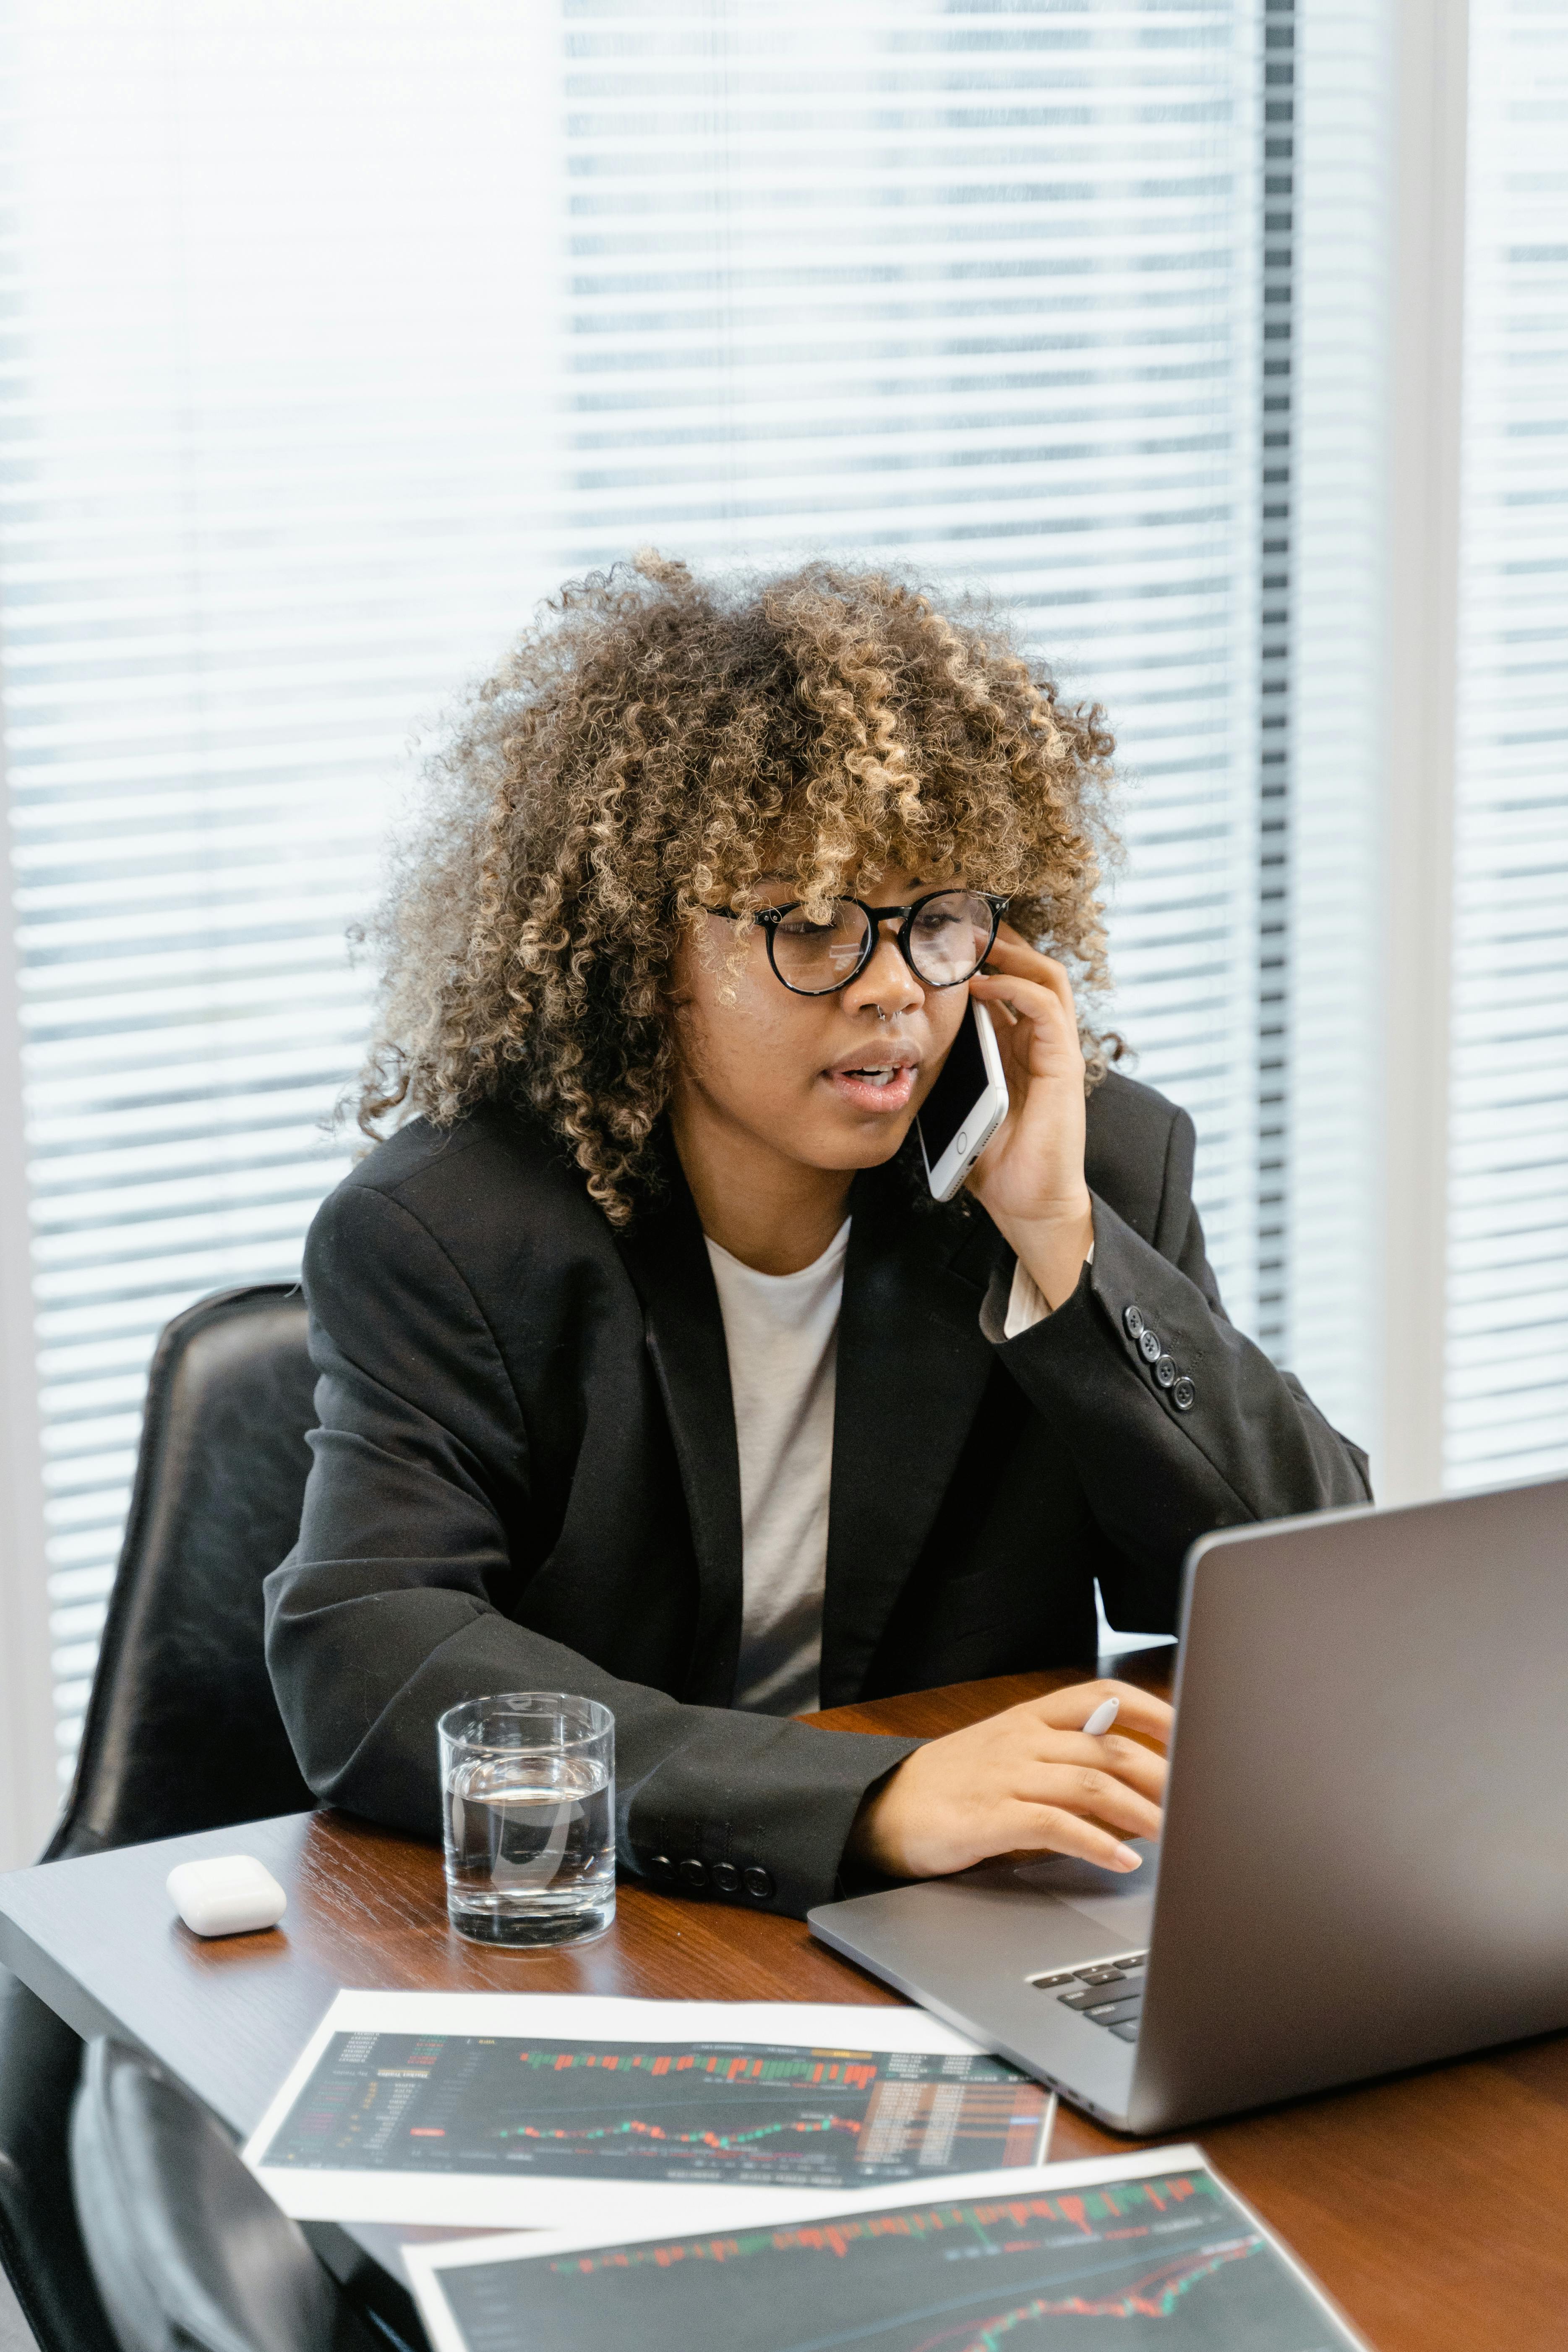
{"points": [[647, 1368]]}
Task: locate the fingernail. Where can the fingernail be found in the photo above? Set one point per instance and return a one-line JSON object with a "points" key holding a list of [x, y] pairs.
{"points": [[1127, 1860]]}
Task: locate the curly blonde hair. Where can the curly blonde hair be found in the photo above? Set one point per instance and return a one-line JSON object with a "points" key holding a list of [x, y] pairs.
{"points": [[648, 749]]}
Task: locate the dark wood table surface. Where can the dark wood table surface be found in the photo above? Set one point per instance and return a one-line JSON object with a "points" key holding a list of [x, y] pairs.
{"points": [[1432, 2206]]}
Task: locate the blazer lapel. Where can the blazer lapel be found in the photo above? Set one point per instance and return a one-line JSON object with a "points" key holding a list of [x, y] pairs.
{"points": [[912, 1367], [667, 1260]]}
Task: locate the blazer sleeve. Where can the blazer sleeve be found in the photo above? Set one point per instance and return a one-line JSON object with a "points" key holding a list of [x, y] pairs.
{"points": [[1178, 1423], [389, 1609]]}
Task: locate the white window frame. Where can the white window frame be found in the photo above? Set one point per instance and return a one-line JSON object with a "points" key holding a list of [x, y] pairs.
{"points": [[1431, 40]]}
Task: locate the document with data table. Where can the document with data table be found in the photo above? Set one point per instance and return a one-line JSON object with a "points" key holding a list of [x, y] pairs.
{"points": [[517, 2110], [1145, 2253]]}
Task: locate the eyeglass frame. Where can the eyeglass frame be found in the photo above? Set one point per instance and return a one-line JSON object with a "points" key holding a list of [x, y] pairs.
{"points": [[770, 917]]}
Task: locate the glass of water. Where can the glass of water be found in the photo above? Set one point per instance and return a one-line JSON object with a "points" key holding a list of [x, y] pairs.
{"points": [[528, 1782]]}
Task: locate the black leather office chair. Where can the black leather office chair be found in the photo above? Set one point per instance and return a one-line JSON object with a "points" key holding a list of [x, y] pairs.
{"points": [[182, 1732], [181, 1729], [189, 2251]]}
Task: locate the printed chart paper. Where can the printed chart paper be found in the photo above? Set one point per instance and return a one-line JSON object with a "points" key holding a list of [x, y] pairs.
{"points": [[540, 2110], [1154, 2244]]}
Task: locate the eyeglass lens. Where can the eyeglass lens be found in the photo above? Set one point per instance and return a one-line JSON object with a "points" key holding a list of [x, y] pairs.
{"points": [[947, 943]]}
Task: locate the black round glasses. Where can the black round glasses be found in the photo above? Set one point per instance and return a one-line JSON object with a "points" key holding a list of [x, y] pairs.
{"points": [[944, 938]]}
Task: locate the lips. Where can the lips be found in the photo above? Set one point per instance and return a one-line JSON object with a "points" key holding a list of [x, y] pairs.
{"points": [[882, 1086]]}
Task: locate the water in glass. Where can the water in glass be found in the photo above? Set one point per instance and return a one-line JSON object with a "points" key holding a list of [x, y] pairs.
{"points": [[531, 1853], [529, 1782]]}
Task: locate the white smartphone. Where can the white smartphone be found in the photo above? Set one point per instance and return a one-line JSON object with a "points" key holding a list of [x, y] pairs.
{"points": [[966, 1107]]}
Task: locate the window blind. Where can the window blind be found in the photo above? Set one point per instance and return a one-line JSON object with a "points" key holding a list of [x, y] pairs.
{"points": [[344, 329], [1342, 272], [268, 422], [974, 288], [1507, 1269]]}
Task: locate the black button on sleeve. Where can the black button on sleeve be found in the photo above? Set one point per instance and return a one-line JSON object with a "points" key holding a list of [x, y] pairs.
{"points": [[660, 1866], [693, 1872], [759, 1882], [726, 1878], [1183, 1396], [1150, 1344], [1165, 1372], [1131, 1321]]}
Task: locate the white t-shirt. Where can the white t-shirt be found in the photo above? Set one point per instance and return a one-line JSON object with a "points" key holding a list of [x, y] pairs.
{"points": [[780, 1333]]}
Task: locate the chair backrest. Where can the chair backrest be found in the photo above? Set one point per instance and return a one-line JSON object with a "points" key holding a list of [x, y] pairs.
{"points": [[189, 2252], [182, 1730]]}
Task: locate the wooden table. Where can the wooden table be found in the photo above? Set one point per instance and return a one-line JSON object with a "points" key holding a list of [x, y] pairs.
{"points": [[1432, 2206]]}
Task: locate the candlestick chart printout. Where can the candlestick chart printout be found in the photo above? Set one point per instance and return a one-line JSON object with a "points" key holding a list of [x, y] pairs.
{"points": [[700, 2112], [1164, 2262]]}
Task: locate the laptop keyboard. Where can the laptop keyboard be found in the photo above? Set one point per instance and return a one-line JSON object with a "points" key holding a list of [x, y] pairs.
{"points": [[1110, 1993]]}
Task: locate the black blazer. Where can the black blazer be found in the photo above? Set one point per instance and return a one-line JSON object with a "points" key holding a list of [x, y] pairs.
{"points": [[526, 1478]]}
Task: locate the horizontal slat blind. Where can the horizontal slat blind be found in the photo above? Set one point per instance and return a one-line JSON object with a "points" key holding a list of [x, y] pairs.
{"points": [[976, 288], [1508, 1274], [1340, 695], [343, 329], [267, 418]]}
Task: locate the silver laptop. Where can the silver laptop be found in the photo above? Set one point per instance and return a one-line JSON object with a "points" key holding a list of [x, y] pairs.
{"points": [[1365, 1864]]}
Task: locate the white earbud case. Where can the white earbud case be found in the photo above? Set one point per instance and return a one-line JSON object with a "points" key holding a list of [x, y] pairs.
{"points": [[232, 1896]]}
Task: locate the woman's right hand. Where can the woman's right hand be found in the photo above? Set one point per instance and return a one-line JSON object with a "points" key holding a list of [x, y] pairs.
{"points": [[1029, 1781]]}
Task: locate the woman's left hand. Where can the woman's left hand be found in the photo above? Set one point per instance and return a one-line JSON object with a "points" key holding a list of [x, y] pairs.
{"points": [[1030, 1178]]}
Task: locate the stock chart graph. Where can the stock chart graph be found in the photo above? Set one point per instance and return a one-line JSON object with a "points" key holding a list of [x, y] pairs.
{"points": [[1170, 2259], [692, 2112]]}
